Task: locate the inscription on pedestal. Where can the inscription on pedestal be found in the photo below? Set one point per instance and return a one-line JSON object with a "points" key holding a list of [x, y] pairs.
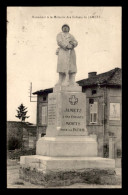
{"points": [[67, 114], [73, 114], [52, 111]]}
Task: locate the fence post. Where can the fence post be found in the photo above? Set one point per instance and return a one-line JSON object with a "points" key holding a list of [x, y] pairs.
{"points": [[100, 147], [112, 148]]}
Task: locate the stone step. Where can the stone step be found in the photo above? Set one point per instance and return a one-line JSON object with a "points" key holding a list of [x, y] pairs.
{"points": [[46, 163]]}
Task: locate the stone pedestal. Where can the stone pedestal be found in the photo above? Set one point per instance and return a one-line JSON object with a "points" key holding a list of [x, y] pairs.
{"points": [[66, 114], [66, 145]]}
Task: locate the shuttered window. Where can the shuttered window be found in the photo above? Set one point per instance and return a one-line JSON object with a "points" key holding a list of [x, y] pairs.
{"points": [[93, 112]]}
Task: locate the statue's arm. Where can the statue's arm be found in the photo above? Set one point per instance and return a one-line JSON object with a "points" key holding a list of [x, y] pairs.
{"points": [[74, 42], [60, 42]]}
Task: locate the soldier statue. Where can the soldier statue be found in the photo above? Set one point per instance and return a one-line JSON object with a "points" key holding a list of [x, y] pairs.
{"points": [[66, 65]]}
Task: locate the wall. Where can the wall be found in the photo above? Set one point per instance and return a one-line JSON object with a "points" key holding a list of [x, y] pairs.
{"points": [[114, 96], [104, 127], [42, 100], [99, 127], [14, 131], [26, 134], [98, 97]]}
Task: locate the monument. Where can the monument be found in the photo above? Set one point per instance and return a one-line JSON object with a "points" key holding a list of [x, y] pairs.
{"points": [[66, 145]]}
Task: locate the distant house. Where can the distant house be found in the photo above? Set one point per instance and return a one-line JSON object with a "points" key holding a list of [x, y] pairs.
{"points": [[103, 107], [23, 131]]}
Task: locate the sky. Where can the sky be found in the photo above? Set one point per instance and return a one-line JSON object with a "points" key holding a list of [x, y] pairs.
{"points": [[31, 48]]}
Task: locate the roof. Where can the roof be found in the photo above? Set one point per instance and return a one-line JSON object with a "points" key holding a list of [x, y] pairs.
{"points": [[45, 91], [110, 78]]}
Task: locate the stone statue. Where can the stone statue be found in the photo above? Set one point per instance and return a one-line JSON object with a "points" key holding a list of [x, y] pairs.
{"points": [[66, 65]]}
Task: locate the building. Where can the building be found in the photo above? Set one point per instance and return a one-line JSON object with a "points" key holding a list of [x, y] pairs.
{"points": [[103, 108]]}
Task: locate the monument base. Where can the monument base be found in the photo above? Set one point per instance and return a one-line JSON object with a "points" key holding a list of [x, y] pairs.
{"points": [[46, 163], [62, 146]]}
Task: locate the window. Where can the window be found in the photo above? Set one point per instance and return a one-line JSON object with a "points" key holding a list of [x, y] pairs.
{"points": [[91, 101], [93, 91], [44, 115], [44, 98], [93, 112]]}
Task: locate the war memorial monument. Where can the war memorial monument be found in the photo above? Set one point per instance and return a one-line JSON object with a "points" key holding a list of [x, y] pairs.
{"points": [[66, 145]]}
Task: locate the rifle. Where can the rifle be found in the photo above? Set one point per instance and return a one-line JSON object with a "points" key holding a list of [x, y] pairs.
{"points": [[67, 70]]}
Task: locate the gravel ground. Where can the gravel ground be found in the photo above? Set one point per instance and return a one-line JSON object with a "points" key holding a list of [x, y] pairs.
{"points": [[13, 180]]}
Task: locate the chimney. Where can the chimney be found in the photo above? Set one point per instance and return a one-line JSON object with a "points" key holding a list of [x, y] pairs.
{"points": [[91, 74]]}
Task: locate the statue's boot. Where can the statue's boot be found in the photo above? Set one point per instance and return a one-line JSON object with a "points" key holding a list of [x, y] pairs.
{"points": [[60, 79], [72, 79], [65, 80]]}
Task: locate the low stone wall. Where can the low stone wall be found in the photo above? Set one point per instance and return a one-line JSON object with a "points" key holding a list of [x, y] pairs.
{"points": [[11, 162], [15, 154], [118, 162], [65, 178]]}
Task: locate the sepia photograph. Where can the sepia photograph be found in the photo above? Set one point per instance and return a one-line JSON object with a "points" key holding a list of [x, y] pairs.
{"points": [[64, 97]]}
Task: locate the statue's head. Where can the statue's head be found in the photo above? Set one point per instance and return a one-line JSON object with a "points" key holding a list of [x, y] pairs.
{"points": [[65, 28]]}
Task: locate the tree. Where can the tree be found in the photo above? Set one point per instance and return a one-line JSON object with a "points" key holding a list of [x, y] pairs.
{"points": [[21, 113]]}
